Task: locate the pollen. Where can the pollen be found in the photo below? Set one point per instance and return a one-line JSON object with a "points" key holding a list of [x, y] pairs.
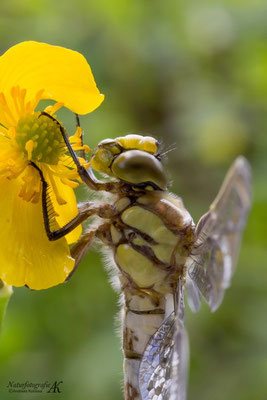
{"points": [[40, 139]]}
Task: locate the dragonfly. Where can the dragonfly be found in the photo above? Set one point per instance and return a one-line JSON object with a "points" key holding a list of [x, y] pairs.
{"points": [[156, 253]]}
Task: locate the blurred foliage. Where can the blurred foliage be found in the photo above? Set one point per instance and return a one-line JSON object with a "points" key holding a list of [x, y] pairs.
{"points": [[193, 74]]}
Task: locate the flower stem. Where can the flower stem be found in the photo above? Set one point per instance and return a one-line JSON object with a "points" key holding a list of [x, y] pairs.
{"points": [[5, 294]]}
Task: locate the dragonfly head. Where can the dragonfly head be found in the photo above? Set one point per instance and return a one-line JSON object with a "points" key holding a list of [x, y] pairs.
{"points": [[133, 159]]}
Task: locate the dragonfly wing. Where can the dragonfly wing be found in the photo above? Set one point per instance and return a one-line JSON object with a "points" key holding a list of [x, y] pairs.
{"points": [[164, 363], [180, 357], [155, 368], [193, 294], [218, 235]]}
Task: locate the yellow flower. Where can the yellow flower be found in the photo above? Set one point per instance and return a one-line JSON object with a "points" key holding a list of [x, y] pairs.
{"points": [[29, 72]]}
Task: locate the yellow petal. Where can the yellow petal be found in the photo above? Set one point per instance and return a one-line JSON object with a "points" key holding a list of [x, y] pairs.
{"points": [[27, 256], [66, 211], [64, 75]]}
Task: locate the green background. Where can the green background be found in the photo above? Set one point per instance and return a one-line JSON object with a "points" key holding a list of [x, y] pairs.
{"points": [[194, 75]]}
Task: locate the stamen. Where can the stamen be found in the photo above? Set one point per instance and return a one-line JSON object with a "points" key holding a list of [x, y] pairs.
{"points": [[78, 132], [37, 99], [60, 199], [35, 198], [53, 108], [76, 141], [70, 183], [6, 110], [11, 162], [84, 163], [15, 95], [31, 188], [76, 138], [12, 132], [22, 101], [79, 148], [28, 107], [13, 171]]}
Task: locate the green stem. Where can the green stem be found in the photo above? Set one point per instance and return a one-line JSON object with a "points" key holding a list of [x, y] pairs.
{"points": [[5, 294]]}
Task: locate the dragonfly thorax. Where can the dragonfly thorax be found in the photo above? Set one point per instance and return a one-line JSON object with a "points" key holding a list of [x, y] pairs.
{"points": [[132, 159]]}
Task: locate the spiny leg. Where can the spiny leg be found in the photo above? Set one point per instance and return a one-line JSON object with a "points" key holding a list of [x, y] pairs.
{"points": [[85, 210], [79, 250], [87, 176]]}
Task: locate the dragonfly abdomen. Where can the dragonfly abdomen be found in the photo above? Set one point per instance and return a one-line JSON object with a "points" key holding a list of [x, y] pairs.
{"points": [[143, 314], [150, 237]]}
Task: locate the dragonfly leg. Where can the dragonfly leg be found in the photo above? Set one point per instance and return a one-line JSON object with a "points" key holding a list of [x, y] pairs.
{"points": [[78, 125], [87, 176], [79, 250], [85, 210]]}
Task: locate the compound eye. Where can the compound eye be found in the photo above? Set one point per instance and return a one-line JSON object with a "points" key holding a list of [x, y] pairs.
{"points": [[136, 166]]}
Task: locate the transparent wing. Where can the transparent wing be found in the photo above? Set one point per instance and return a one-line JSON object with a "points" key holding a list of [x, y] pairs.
{"points": [[192, 288], [218, 236], [155, 368], [163, 369], [180, 358]]}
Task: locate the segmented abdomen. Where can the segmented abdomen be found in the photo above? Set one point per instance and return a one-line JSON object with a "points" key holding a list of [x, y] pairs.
{"points": [[151, 239]]}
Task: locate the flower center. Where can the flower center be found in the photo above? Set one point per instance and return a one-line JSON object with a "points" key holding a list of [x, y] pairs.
{"points": [[40, 139]]}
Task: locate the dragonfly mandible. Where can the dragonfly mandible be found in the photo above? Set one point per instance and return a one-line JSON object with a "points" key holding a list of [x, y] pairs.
{"points": [[156, 252]]}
